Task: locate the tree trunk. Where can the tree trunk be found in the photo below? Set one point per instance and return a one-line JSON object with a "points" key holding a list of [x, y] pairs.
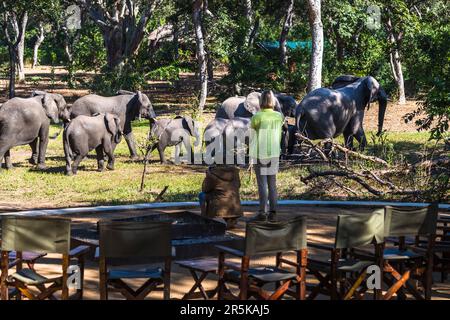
{"points": [[315, 69], [395, 62], [248, 13], [285, 31], [40, 38], [201, 54], [12, 72], [122, 31], [21, 48], [13, 22]]}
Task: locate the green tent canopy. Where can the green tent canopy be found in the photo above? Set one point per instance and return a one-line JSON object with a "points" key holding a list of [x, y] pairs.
{"points": [[273, 45]]}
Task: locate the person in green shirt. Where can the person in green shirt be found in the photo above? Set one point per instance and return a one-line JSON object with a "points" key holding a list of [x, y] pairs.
{"points": [[265, 140]]}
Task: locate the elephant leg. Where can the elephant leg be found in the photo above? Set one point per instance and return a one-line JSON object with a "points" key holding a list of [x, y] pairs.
{"points": [[361, 138], [110, 153], [3, 150], [34, 152], [100, 158], [76, 162], [161, 149], [68, 166], [189, 150], [348, 138], [129, 138], [177, 153], [8, 162], [43, 142]]}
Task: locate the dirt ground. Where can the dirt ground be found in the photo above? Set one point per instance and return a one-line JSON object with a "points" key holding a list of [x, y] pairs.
{"points": [[321, 224]]}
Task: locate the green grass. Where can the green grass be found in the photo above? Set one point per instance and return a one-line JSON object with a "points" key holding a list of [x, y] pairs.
{"points": [[25, 187]]}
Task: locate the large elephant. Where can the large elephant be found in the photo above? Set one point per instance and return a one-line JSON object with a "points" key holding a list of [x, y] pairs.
{"points": [[327, 113], [27, 121], [173, 132], [246, 107], [84, 133], [126, 105]]}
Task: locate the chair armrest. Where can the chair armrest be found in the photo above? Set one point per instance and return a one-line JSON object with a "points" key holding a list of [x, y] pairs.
{"points": [[321, 246], [79, 251], [231, 251], [13, 263]]}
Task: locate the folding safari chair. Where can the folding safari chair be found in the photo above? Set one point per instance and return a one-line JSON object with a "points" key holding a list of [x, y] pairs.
{"points": [[124, 244], [266, 238], [29, 258], [342, 276], [40, 235], [404, 262], [441, 250]]}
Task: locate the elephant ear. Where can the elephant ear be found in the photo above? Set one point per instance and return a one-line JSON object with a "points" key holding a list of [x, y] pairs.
{"points": [[50, 107], [119, 133], [278, 105], [252, 102], [373, 87], [110, 124], [140, 97], [189, 124]]}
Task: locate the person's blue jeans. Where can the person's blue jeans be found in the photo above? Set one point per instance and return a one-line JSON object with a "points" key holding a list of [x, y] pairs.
{"points": [[202, 198]]}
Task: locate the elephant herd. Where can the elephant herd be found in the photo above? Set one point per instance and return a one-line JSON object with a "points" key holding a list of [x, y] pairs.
{"points": [[322, 114], [91, 122], [97, 122]]}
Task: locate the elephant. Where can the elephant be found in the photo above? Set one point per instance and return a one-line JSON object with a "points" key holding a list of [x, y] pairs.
{"points": [[288, 139], [247, 106], [101, 132], [327, 113], [212, 135], [173, 132], [126, 105], [236, 139], [27, 121]]}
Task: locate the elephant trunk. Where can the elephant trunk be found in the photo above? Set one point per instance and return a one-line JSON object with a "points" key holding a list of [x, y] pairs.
{"points": [[382, 103]]}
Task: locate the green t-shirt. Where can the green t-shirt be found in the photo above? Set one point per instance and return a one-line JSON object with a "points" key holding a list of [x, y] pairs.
{"points": [[265, 139]]}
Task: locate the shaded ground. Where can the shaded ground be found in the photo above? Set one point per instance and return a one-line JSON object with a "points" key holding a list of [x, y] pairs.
{"points": [[321, 224]]}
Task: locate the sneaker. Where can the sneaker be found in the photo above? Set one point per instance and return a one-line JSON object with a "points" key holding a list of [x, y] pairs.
{"points": [[262, 217], [272, 216]]}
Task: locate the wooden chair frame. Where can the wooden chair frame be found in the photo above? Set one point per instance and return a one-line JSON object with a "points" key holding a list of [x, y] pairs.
{"points": [[250, 287], [342, 285], [118, 285], [77, 253]]}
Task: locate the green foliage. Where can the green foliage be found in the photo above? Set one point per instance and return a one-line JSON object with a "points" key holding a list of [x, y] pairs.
{"points": [[109, 82], [167, 73]]}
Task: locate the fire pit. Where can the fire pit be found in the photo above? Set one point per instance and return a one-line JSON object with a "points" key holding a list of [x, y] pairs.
{"points": [[192, 235]]}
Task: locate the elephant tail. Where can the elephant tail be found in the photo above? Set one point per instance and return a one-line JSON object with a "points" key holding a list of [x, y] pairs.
{"points": [[67, 149]]}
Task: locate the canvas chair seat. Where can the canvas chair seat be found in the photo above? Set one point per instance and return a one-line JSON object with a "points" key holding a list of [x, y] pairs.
{"points": [[397, 254], [345, 265], [32, 278], [156, 273], [265, 275]]}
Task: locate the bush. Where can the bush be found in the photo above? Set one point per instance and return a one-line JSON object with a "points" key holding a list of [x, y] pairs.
{"points": [[109, 82]]}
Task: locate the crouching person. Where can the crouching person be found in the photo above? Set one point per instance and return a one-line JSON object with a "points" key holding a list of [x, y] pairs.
{"points": [[101, 132], [220, 194]]}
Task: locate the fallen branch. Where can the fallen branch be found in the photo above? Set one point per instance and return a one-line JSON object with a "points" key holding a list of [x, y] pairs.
{"points": [[360, 155], [312, 145], [357, 178], [161, 194]]}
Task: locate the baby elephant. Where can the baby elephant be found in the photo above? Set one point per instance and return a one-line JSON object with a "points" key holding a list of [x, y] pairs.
{"points": [[173, 132], [84, 133]]}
